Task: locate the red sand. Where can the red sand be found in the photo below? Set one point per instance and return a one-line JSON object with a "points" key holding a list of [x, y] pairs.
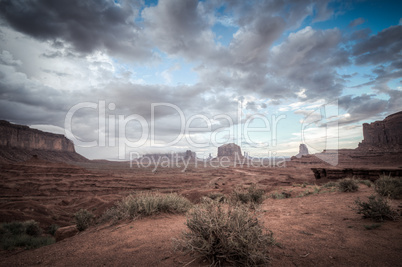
{"points": [[314, 230]]}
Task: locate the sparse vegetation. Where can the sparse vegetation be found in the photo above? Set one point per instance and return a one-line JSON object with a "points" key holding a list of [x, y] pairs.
{"points": [[368, 183], [330, 184], [52, 229], [83, 219], [23, 234], [32, 228], [223, 234], [372, 226], [348, 185], [389, 186], [305, 193], [377, 208], [146, 204], [281, 195], [217, 197], [251, 195]]}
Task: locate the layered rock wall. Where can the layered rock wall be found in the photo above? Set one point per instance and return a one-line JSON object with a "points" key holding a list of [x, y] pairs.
{"points": [[20, 143], [383, 135], [19, 136]]}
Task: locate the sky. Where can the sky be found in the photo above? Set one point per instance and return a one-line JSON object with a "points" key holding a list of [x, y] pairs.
{"points": [[126, 78]]}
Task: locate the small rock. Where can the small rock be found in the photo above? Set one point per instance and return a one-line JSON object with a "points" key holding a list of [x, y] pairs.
{"points": [[65, 232]]}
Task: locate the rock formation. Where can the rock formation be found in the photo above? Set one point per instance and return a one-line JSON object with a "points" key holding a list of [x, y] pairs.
{"points": [[382, 146], [303, 150], [229, 150], [21, 136], [20, 143], [385, 135]]}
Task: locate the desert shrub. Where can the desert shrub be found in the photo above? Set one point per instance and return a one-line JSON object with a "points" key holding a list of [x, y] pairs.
{"points": [[23, 234], [389, 186], [330, 184], [217, 197], [368, 183], [146, 204], [377, 209], [250, 195], [29, 227], [348, 185], [15, 228], [32, 228], [28, 242], [52, 229], [281, 195], [83, 219], [223, 234]]}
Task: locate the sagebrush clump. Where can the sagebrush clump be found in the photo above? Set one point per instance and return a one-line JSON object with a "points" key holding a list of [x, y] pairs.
{"points": [[146, 204], [23, 234], [250, 195], [376, 208], [217, 197], [348, 185], [226, 234], [389, 186], [83, 219]]}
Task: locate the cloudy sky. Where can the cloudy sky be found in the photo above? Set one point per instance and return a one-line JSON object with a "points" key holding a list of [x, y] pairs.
{"points": [[145, 77]]}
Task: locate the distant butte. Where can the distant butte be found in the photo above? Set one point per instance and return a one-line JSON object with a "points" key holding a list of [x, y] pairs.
{"points": [[230, 150]]}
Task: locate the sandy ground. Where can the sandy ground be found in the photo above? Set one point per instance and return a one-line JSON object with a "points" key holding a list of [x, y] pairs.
{"points": [[314, 230]]}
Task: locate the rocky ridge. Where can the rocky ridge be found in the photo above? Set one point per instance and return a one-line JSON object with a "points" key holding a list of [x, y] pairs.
{"points": [[20, 143]]}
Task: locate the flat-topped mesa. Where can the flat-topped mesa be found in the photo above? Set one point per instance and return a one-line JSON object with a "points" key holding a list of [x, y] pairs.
{"points": [[19, 143], [385, 135], [20, 136], [230, 150]]}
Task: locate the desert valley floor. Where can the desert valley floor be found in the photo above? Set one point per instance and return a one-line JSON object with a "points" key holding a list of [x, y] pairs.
{"points": [[311, 228]]}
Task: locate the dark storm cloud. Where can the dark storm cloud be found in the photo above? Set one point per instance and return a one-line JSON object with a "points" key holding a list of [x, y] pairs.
{"points": [[87, 25], [383, 47], [242, 66], [384, 50], [362, 107], [176, 26], [308, 59]]}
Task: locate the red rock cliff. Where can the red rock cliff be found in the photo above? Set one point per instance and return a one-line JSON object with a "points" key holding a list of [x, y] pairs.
{"points": [[20, 143], [19, 136], [383, 135]]}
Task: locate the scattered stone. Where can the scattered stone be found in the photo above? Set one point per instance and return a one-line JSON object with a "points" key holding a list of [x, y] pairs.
{"points": [[65, 232]]}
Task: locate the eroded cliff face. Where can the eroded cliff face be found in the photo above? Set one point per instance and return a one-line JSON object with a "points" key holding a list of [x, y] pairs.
{"points": [[20, 143], [19, 136], [383, 135]]}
